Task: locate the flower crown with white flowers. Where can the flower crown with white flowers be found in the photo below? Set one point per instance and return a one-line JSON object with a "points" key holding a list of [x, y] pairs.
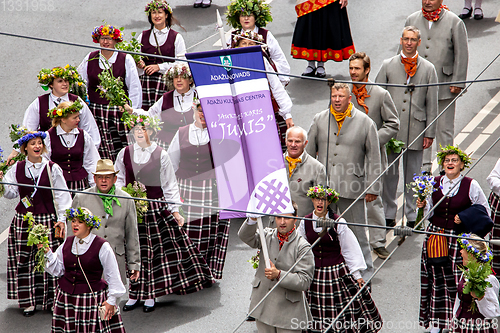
{"points": [[321, 192]]}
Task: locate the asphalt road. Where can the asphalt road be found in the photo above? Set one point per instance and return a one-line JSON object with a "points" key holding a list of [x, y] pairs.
{"points": [[375, 30]]}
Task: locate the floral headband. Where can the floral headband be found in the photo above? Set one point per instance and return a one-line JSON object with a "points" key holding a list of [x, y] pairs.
{"points": [[157, 4], [107, 30], [179, 69], [485, 257], [69, 73], [144, 121], [453, 150], [29, 136], [84, 215], [64, 112], [248, 35], [321, 192], [257, 8]]}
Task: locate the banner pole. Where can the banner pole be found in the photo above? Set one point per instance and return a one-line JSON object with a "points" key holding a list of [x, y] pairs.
{"points": [[263, 242], [220, 27]]}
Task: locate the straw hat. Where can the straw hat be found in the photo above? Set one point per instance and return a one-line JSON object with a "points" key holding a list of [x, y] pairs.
{"points": [[105, 167]]}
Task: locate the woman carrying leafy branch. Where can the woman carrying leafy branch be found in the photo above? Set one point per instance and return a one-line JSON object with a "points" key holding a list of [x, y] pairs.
{"points": [[29, 287], [164, 270], [112, 81]]}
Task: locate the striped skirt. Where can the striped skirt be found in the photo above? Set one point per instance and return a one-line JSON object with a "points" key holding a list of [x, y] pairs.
{"points": [[79, 313], [78, 185], [170, 261], [475, 325], [439, 284], [331, 289], [30, 288], [153, 87], [494, 202], [111, 129], [202, 225]]}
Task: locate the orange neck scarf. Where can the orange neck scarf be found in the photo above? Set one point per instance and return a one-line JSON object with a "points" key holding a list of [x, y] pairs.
{"points": [[292, 164], [361, 94], [434, 16], [340, 117], [410, 65], [284, 238]]}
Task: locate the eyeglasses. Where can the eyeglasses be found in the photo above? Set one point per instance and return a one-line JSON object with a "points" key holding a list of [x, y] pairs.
{"points": [[453, 160]]}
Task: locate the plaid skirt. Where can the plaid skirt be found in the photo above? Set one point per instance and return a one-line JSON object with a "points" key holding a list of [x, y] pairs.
{"points": [[494, 202], [202, 225], [153, 87], [439, 284], [331, 289], [111, 129], [475, 325], [30, 288], [79, 313], [170, 261], [78, 185]]}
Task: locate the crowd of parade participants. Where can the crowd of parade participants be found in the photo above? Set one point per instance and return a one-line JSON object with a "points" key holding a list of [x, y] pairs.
{"points": [[100, 245]]}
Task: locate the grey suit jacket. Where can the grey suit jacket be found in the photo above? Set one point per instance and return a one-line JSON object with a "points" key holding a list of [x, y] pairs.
{"points": [[288, 300], [120, 229], [356, 145], [424, 100], [445, 45], [308, 173], [382, 110]]}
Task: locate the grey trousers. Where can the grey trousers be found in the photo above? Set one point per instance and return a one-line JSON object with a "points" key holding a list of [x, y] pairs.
{"points": [[375, 215], [445, 132], [412, 159], [357, 214]]}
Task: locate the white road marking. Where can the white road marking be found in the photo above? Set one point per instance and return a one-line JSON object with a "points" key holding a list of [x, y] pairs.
{"points": [[4, 235]]}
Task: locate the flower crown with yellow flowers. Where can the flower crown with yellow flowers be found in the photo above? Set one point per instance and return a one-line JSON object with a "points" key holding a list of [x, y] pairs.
{"points": [[69, 73], [453, 150], [248, 34], [260, 10], [84, 215], [321, 192], [157, 4], [59, 112], [107, 30]]}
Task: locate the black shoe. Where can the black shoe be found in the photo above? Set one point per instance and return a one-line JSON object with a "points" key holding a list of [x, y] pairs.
{"points": [[250, 318], [467, 15], [390, 223], [148, 308], [410, 224], [197, 4], [310, 74], [29, 313], [204, 5], [478, 16], [130, 307], [320, 75]]}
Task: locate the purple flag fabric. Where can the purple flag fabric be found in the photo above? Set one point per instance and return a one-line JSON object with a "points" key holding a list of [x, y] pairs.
{"points": [[244, 138]]}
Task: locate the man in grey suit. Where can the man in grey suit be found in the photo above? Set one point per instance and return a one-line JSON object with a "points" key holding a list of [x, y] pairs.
{"points": [[445, 45], [351, 157], [304, 171], [119, 218], [378, 105], [409, 68]]}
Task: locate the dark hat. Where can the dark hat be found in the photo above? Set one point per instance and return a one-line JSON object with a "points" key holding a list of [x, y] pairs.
{"points": [[476, 220]]}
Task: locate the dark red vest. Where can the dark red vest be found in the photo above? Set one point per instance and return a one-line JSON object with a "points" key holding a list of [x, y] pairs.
{"points": [[444, 214], [327, 252], [69, 159], [147, 174], [196, 161], [93, 70], [172, 119], [45, 122], [73, 282], [167, 49], [42, 202]]}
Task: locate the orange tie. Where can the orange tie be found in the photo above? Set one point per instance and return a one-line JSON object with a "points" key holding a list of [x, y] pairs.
{"points": [[410, 66], [361, 94], [292, 164], [340, 117]]}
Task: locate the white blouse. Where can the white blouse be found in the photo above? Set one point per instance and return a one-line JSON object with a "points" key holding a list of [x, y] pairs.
{"points": [[87, 122], [182, 104], [68, 140], [167, 174], [494, 179], [63, 198], [131, 77], [161, 36], [197, 137], [280, 95], [351, 251], [111, 272], [488, 306]]}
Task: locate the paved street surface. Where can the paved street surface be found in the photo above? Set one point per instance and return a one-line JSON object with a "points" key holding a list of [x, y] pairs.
{"points": [[375, 29]]}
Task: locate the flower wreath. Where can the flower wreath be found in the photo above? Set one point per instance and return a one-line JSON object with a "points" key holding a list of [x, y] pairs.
{"points": [[75, 107], [107, 30], [321, 192], [258, 8], [69, 73], [157, 4], [453, 150], [84, 215], [485, 257], [179, 69], [29, 136], [144, 121], [248, 35]]}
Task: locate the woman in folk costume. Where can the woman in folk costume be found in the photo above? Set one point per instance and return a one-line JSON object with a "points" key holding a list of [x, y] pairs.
{"points": [[494, 200], [175, 107], [253, 16], [471, 313], [440, 272], [282, 103], [170, 261], [111, 128], [23, 283], [337, 278], [88, 278], [191, 157], [321, 33], [161, 40], [71, 147]]}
